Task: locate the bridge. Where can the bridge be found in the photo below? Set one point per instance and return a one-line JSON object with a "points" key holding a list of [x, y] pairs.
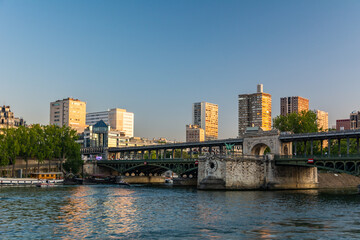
{"points": [[152, 167], [300, 151]]}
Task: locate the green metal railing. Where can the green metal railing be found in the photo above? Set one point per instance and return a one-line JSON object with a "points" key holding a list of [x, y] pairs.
{"points": [[346, 163]]}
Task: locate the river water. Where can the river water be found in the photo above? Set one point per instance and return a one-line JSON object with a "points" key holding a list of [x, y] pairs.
{"points": [[140, 212]]}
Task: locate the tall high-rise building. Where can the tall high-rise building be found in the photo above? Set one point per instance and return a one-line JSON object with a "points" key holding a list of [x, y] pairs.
{"points": [[293, 105], [322, 120], [118, 119], [69, 112], [205, 115], [255, 110]]}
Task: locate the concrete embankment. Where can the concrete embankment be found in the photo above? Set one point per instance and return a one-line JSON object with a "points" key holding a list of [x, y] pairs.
{"points": [[337, 180]]}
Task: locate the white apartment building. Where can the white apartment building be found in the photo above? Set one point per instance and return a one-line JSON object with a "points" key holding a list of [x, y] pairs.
{"points": [[118, 119]]}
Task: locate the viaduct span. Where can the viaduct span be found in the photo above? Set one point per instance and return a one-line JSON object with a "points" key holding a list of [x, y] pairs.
{"points": [[268, 160]]}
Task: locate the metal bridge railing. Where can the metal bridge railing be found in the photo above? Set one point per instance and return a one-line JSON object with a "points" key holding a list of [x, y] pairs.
{"points": [[319, 157]]}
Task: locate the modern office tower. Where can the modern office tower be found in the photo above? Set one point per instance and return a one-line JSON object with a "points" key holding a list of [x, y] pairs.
{"points": [[205, 115], [255, 110], [355, 120], [7, 119], [194, 133], [293, 104], [69, 112], [118, 119], [342, 124], [322, 120]]}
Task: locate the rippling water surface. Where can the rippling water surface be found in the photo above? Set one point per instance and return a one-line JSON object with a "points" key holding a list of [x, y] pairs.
{"points": [[113, 212]]}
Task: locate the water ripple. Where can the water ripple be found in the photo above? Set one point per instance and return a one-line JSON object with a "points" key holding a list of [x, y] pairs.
{"points": [[111, 212]]}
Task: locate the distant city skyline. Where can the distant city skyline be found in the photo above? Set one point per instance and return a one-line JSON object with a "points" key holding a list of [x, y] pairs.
{"points": [[156, 58]]}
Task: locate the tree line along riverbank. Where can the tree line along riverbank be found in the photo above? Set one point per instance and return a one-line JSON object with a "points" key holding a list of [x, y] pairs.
{"points": [[41, 143]]}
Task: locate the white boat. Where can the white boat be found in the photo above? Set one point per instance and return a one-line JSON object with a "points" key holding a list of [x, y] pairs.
{"points": [[27, 181], [19, 181]]}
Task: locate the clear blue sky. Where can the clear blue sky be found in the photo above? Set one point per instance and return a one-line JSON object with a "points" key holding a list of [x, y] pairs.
{"points": [[156, 58]]}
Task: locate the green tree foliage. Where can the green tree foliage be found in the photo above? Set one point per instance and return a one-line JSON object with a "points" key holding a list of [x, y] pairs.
{"points": [[41, 142], [303, 122], [26, 137]]}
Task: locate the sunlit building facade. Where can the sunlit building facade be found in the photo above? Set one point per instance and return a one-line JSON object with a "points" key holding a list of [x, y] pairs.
{"points": [[194, 133], [205, 116], [293, 105], [322, 120], [69, 112], [254, 110], [8, 120]]}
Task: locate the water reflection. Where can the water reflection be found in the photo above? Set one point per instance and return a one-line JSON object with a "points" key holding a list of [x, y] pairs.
{"points": [[119, 212], [89, 211], [111, 212]]}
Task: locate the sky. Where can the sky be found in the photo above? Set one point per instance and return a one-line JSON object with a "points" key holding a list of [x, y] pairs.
{"points": [[156, 58]]}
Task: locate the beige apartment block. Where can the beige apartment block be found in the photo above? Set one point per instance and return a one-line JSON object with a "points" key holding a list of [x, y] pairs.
{"points": [[69, 112], [322, 120], [194, 133], [254, 110], [205, 115], [293, 105]]}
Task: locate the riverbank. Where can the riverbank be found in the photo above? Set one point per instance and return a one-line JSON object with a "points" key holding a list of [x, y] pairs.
{"points": [[337, 180]]}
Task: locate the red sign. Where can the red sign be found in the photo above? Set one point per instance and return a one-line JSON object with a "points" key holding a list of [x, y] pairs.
{"points": [[310, 160], [196, 162], [145, 163]]}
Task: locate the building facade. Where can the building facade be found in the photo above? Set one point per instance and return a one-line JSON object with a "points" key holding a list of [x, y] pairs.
{"points": [[69, 112], [322, 120], [118, 119], [293, 105], [194, 133], [342, 124], [7, 119], [254, 110], [205, 116], [355, 120]]}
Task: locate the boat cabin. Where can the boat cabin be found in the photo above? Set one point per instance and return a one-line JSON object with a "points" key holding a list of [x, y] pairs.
{"points": [[47, 176]]}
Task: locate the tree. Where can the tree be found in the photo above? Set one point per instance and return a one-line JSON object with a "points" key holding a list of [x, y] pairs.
{"points": [[11, 147], [303, 122], [70, 149], [4, 159], [52, 139], [26, 137], [40, 144]]}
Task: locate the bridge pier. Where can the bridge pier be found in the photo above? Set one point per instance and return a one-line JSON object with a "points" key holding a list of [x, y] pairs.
{"points": [[252, 173]]}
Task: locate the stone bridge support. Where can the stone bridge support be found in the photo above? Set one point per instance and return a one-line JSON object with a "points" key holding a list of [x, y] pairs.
{"points": [[252, 173], [256, 144]]}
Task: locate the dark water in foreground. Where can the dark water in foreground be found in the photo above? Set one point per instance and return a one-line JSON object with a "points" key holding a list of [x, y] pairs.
{"points": [[112, 212]]}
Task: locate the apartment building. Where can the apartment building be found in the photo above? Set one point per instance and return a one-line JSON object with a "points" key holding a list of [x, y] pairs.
{"points": [[118, 119], [254, 110], [69, 112], [205, 116], [194, 133], [322, 120], [293, 105], [8, 120]]}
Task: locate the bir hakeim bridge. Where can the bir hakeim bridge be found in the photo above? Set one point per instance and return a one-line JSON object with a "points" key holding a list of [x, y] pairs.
{"points": [[255, 160]]}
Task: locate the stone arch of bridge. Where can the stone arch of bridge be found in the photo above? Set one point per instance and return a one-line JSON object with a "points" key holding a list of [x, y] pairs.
{"points": [[259, 149]]}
